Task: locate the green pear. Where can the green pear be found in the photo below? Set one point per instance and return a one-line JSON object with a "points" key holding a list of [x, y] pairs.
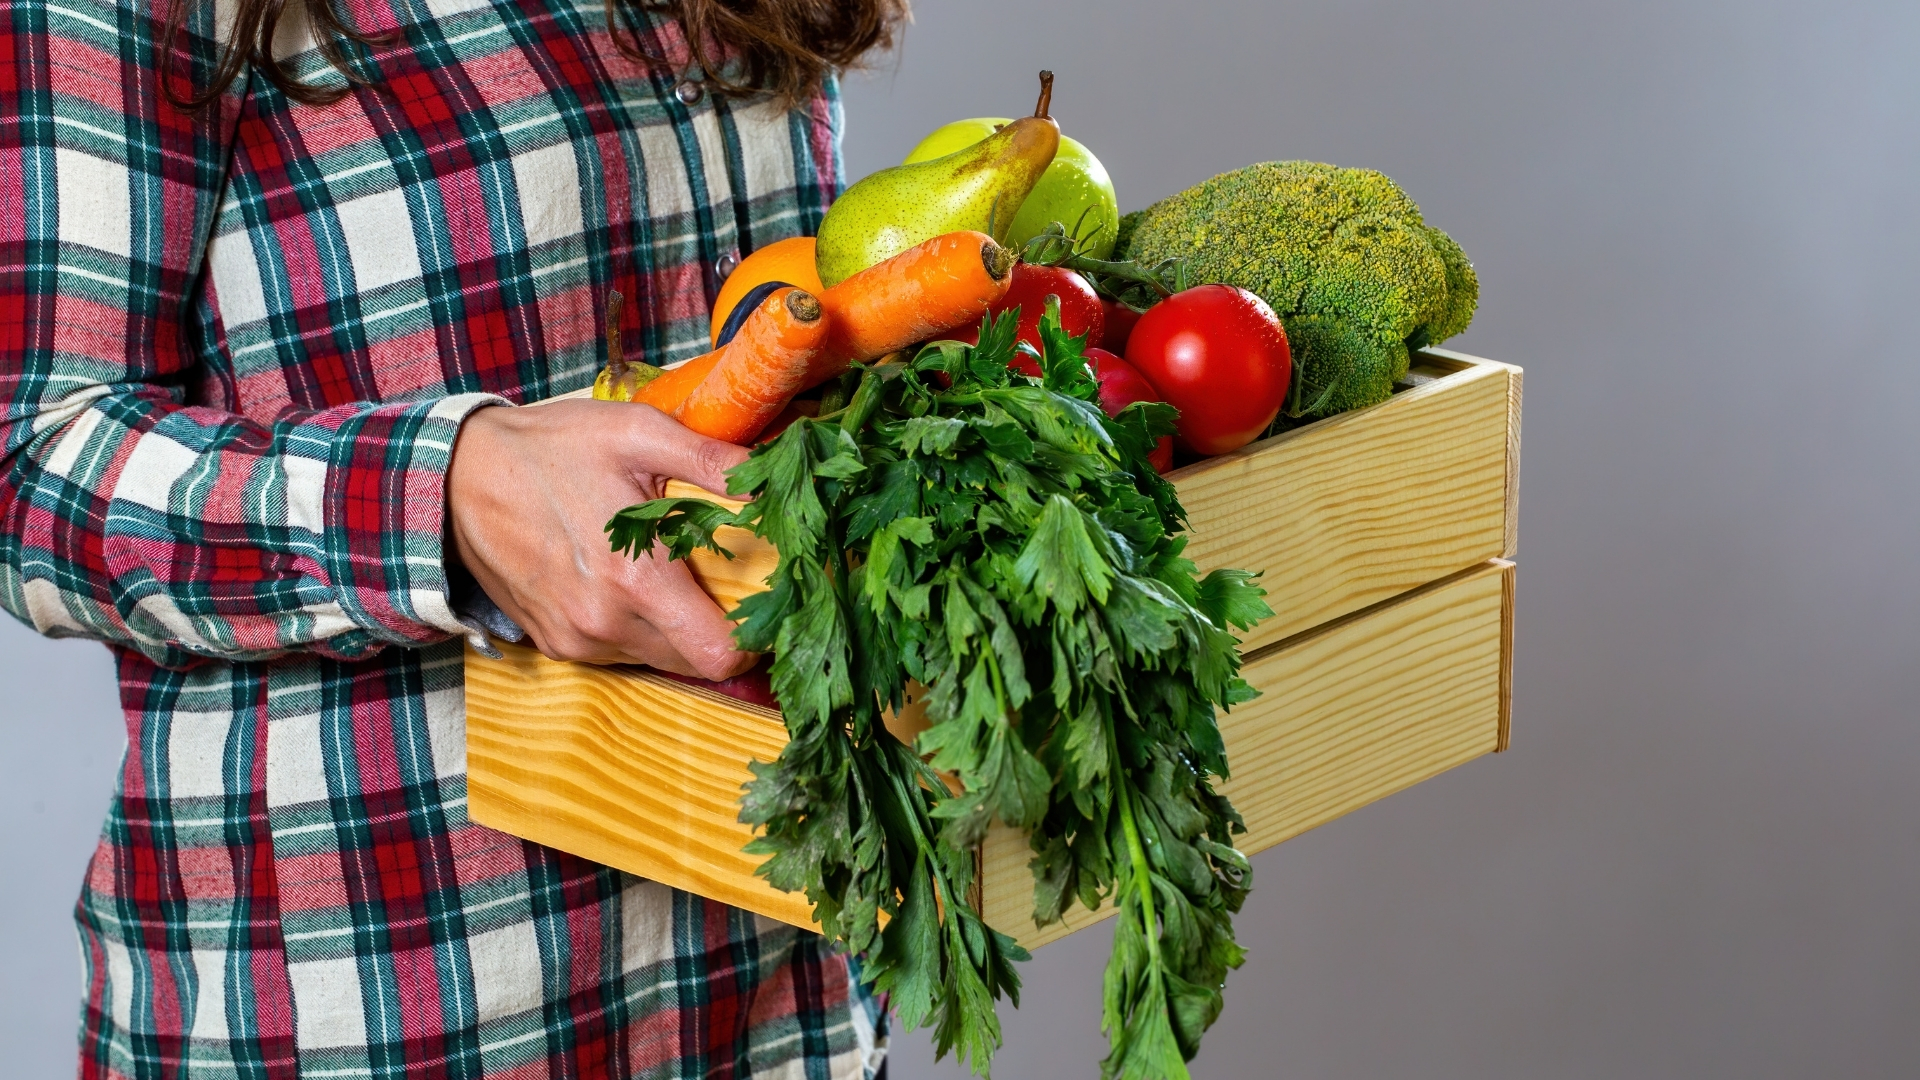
{"points": [[1074, 191], [978, 187]]}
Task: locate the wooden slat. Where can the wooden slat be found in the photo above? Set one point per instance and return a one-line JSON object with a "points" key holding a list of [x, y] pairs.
{"points": [[1341, 514], [622, 767], [629, 769], [1350, 713], [1515, 382], [1361, 507], [1508, 582]]}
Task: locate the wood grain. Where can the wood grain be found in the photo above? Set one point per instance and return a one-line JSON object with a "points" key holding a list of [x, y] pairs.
{"points": [[629, 769], [1515, 382], [622, 767], [1350, 713], [1361, 507]]}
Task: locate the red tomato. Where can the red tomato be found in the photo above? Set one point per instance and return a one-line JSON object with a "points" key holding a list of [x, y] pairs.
{"points": [[1080, 311], [1121, 386], [1120, 320], [1219, 355]]}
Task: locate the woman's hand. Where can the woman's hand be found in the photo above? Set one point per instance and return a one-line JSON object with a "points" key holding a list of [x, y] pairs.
{"points": [[529, 494]]}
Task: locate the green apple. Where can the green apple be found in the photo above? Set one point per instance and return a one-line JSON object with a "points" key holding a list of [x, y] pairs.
{"points": [[1074, 191]]}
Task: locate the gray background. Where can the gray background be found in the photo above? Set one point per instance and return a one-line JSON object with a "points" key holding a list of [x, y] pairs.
{"points": [[1695, 226]]}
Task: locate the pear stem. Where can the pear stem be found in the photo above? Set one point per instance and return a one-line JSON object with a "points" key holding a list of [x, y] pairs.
{"points": [[616, 357], [1046, 96]]}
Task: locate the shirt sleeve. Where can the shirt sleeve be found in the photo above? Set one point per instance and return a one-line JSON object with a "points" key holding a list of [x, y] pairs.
{"points": [[125, 514]]}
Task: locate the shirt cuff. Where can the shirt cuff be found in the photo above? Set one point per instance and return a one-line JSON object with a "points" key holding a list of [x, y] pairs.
{"points": [[385, 511]]}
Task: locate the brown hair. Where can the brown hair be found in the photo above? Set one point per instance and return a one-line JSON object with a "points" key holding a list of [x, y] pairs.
{"points": [[782, 47]]}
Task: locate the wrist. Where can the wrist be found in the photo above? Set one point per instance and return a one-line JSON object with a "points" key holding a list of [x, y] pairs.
{"points": [[473, 460]]}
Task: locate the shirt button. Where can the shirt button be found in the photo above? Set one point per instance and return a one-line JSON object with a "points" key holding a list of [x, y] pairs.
{"points": [[689, 92], [726, 266]]}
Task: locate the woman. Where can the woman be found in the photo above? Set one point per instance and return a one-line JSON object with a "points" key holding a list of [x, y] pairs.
{"points": [[264, 272]]}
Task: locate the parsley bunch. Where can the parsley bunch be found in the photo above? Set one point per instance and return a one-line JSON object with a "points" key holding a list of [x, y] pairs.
{"points": [[1005, 543]]}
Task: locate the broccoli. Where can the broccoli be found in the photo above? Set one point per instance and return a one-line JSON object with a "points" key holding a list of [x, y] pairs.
{"points": [[1342, 255]]}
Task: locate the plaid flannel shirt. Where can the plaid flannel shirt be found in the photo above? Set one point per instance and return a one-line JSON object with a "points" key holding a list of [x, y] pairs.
{"points": [[235, 349]]}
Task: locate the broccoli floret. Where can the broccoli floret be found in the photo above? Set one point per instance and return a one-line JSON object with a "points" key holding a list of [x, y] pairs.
{"points": [[1342, 255], [1123, 238]]}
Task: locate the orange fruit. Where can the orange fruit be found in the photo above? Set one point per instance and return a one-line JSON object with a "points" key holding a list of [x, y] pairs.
{"points": [[789, 260]]}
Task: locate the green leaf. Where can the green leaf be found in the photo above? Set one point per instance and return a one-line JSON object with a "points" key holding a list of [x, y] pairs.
{"points": [[840, 467], [884, 549], [987, 364], [1002, 437], [682, 525], [786, 509], [931, 435], [1146, 1048], [1063, 362], [1139, 427], [1086, 748], [762, 614], [1230, 598], [1059, 561], [1192, 1010], [910, 952], [967, 1025], [809, 674], [895, 495], [1143, 618]]}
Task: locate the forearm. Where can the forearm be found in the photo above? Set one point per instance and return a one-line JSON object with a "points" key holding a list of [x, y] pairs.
{"points": [[189, 533]]}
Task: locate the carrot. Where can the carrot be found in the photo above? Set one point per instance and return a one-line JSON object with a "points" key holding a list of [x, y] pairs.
{"points": [[670, 388], [930, 289], [760, 370]]}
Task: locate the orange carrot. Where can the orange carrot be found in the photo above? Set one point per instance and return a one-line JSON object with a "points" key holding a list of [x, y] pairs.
{"points": [[760, 370], [670, 388], [930, 289]]}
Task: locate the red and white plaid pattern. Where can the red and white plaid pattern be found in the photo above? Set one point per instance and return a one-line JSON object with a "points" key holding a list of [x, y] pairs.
{"points": [[235, 349]]}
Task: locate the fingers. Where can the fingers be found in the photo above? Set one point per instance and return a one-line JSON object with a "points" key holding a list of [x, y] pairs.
{"points": [[662, 447], [624, 641], [672, 603], [648, 611]]}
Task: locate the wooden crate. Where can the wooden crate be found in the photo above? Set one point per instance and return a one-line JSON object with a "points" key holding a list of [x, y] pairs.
{"points": [[1387, 532]]}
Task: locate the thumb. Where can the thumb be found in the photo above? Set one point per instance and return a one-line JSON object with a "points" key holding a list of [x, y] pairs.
{"points": [[662, 446]]}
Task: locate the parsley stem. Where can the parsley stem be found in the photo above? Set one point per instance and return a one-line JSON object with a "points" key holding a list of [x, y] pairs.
{"points": [[999, 689], [866, 399], [1142, 874], [1154, 278], [915, 808]]}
